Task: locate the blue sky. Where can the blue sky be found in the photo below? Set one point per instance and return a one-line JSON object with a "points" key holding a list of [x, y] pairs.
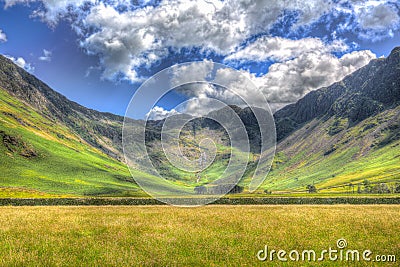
{"points": [[98, 53]]}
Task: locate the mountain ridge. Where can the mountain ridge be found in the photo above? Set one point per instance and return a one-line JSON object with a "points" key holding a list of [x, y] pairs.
{"points": [[335, 99], [353, 123], [56, 107]]}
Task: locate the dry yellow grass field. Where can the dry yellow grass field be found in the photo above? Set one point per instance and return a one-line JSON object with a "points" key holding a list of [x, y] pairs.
{"points": [[204, 236]]}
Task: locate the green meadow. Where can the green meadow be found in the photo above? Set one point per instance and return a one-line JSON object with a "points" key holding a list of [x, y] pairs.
{"points": [[204, 236]]}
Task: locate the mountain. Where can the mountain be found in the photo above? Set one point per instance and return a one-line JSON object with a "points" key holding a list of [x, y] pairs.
{"points": [[364, 93], [50, 146], [344, 133], [338, 135], [335, 136], [101, 130]]}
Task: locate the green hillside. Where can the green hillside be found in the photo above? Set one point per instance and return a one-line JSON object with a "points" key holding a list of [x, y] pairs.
{"points": [[345, 137], [333, 155], [41, 157]]}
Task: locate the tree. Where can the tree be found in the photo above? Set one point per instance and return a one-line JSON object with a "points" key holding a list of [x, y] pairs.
{"points": [[384, 188], [381, 188], [311, 188], [351, 187], [367, 186], [397, 188], [200, 190]]}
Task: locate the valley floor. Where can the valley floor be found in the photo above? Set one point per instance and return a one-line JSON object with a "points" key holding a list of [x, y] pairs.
{"points": [[204, 236]]}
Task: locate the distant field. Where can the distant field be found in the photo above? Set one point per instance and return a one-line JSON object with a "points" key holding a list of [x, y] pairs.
{"points": [[206, 236]]}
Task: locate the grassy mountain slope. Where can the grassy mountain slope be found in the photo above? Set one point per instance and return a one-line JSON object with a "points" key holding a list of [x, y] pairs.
{"points": [[333, 137], [190, 143], [318, 154], [45, 157], [100, 130], [342, 134]]}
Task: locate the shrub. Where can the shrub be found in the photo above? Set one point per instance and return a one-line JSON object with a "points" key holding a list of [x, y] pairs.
{"points": [[311, 188]]}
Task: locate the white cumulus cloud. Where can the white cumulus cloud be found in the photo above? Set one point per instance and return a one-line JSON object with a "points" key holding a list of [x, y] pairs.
{"points": [[377, 17], [53, 9], [46, 55], [288, 81], [192, 72], [3, 36], [280, 49], [285, 82], [20, 62], [126, 40], [374, 19], [159, 113]]}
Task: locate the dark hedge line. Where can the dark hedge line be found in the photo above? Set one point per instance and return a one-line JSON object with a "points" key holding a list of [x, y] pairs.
{"points": [[309, 200], [188, 201]]}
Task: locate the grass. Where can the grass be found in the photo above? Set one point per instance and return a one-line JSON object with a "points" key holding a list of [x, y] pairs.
{"points": [[62, 163], [205, 236], [356, 156], [47, 159], [15, 192]]}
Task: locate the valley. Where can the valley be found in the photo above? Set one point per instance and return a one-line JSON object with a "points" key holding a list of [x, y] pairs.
{"points": [[341, 138]]}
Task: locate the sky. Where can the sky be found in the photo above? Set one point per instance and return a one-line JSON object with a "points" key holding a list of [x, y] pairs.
{"points": [[99, 52]]}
